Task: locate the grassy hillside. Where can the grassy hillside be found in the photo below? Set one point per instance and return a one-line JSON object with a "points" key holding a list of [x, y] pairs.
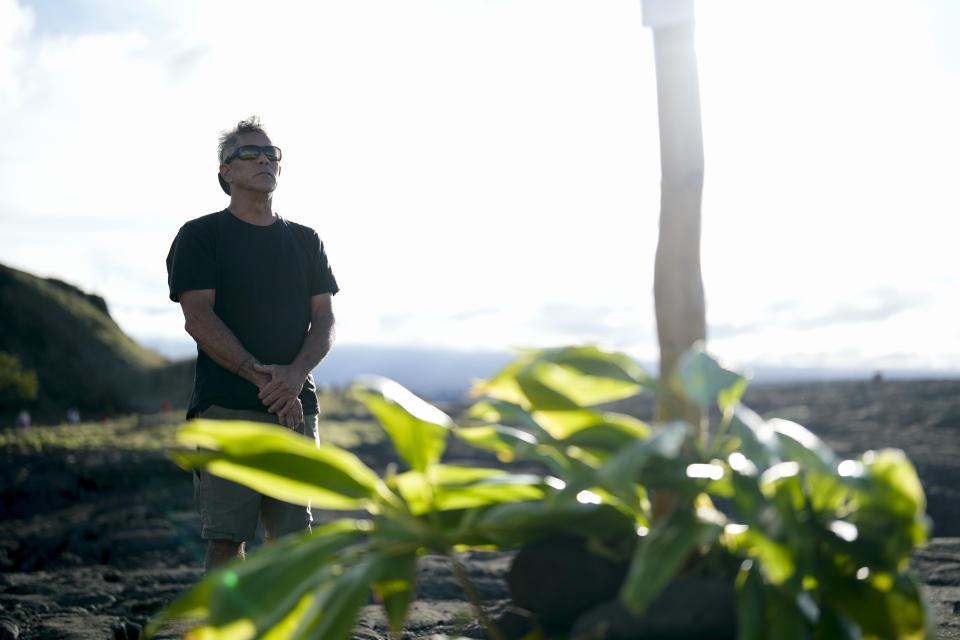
{"points": [[81, 357]]}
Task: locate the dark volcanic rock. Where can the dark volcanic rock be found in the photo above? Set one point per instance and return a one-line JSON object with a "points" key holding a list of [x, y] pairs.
{"points": [[690, 608], [9, 630], [74, 627], [559, 578]]}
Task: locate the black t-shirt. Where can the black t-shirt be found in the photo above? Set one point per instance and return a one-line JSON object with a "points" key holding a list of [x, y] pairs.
{"points": [[263, 278]]}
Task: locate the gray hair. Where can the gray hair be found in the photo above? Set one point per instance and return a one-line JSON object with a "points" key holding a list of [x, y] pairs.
{"points": [[228, 139]]}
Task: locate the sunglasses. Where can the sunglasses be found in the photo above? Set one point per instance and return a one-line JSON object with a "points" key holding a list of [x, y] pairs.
{"points": [[252, 152]]}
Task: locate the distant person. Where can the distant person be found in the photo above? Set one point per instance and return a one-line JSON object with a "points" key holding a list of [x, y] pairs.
{"points": [[256, 293], [73, 415], [23, 419]]}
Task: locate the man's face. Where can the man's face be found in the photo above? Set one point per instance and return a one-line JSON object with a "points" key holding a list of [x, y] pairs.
{"points": [[259, 174]]}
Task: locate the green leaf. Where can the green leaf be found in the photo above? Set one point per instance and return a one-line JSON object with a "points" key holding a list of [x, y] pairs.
{"points": [[661, 554], [611, 433], [892, 469], [563, 424], [447, 487], [268, 585], [592, 362], [511, 414], [896, 612], [758, 441], [765, 611], [417, 428], [279, 463], [801, 445], [541, 397], [784, 617], [286, 627], [751, 612], [622, 469], [729, 398], [515, 523], [775, 559], [604, 383], [395, 587], [585, 374], [505, 441], [835, 626], [504, 386], [702, 380], [889, 509], [333, 612]]}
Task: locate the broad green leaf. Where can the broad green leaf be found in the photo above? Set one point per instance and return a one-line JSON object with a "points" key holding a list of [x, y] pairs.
{"points": [[585, 389], [892, 469], [333, 612], [888, 509], [783, 485], [555, 412], [515, 523], [541, 397], [611, 434], [828, 492], [418, 429], [784, 617], [586, 374], [774, 558], [765, 611], [751, 612], [395, 587], [592, 362], [267, 586], [504, 441], [661, 554], [562, 424], [503, 386], [241, 629], [729, 398], [623, 468], [494, 411], [279, 463], [285, 629], [493, 490], [802, 445], [835, 626], [898, 612], [446, 487], [702, 380], [628, 424], [454, 475], [758, 441]]}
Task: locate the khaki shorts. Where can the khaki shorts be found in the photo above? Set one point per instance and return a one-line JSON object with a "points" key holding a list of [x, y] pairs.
{"points": [[230, 511]]}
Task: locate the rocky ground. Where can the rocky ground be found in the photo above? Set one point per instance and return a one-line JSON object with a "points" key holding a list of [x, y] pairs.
{"points": [[93, 543]]}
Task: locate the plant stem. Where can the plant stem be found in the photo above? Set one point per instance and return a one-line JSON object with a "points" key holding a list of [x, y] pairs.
{"points": [[492, 631]]}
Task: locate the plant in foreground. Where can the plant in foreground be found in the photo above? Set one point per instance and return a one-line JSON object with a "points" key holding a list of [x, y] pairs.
{"points": [[823, 544]]}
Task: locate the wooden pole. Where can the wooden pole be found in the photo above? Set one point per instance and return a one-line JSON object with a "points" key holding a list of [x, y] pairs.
{"points": [[678, 285]]}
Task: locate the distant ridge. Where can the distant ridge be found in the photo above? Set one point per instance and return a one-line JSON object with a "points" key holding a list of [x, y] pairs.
{"points": [[447, 374], [435, 374], [81, 357]]}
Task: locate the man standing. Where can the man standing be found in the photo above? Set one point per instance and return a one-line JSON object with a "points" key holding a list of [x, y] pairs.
{"points": [[255, 290]]}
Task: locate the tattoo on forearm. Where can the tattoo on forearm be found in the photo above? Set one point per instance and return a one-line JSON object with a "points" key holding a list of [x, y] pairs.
{"points": [[242, 364]]}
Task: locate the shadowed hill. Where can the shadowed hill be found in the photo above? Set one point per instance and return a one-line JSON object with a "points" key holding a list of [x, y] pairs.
{"points": [[81, 357]]}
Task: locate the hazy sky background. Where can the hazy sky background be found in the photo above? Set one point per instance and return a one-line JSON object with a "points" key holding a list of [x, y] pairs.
{"points": [[485, 173]]}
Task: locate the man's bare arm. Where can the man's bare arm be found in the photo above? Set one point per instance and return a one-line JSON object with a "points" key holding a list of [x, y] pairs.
{"points": [[287, 380], [223, 347]]}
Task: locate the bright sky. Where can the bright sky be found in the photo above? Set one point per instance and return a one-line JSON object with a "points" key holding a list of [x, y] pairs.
{"points": [[485, 173]]}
